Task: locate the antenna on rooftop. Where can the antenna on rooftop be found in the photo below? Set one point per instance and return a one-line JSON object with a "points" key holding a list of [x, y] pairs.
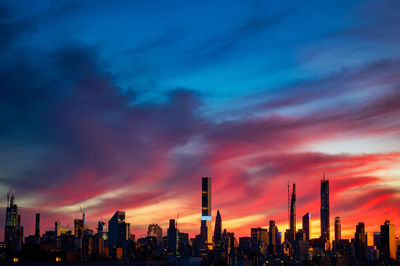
{"points": [[83, 211]]}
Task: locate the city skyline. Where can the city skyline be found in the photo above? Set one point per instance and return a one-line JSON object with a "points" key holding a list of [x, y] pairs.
{"points": [[124, 107], [206, 203]]}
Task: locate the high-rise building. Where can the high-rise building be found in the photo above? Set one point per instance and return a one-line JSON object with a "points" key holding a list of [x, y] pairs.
{"points": [[205, 229], [388, 240], [217, 239], [118, 230], [173, 238], [360, 243], [20, 234], [37, 225], [218, 227], [338, 229], [325, 232], [292, 232], [273, 238], [377, 240], [37, 229], [156, 231], [11, 225], [306, 225]]}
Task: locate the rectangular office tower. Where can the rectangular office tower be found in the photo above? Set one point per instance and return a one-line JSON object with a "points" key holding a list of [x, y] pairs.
{"points": [[325, 232], [388, 241], [306, 225], [338, 229], [205, 229]]}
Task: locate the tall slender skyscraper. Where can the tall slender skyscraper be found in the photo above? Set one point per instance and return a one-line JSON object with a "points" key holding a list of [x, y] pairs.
{"points": [[325, 209], [273, 237], [306, 225], [338, 229], [388, 238], [292, 232], [205, 229]]}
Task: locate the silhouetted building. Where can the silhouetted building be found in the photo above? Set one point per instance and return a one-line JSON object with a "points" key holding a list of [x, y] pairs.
{"points": [[156, 231], [20, 234], [205, 229], [388, 241], [307, 225], [259, 239], [325, 232], [173, 239], [11, 225], [338, 229], [301, 245], [360, 243], [217, 239], [292, 232], [37, 228], [377, 240], [118, 230], [273, 238]]}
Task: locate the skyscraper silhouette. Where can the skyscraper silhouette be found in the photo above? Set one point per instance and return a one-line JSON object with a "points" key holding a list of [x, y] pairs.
{"points": [[273, 237], [205, 229], [292, 232], [217, 239], [388, 240], [173, 239], [11, 225], [360, 243], [306, 225], [325, 232], [338, 229]]}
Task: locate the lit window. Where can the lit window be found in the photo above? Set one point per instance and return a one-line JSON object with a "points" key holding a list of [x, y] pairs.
{"points": [[58, 259], [15, 259]]}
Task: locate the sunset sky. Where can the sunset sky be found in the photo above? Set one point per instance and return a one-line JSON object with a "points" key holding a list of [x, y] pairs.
{"points": [[125, 106]]}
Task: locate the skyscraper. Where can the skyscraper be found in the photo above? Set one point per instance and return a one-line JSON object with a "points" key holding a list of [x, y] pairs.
{"points": [[118, 229], [273, 237], [172, 238], [156, 231], [11, 225], [217, 239], [37, 229], [325, 209], [292, 232], [388, 238], [218, 227], [360, 243], [306, 225], [338, 229], [205, 229]]}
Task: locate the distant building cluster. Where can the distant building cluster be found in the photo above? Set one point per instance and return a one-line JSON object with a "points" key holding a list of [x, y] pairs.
{"points": [[265, 245]]}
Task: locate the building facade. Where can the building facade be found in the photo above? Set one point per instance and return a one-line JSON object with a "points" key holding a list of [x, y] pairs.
{"points": [[205, 229], [325, 230]]}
